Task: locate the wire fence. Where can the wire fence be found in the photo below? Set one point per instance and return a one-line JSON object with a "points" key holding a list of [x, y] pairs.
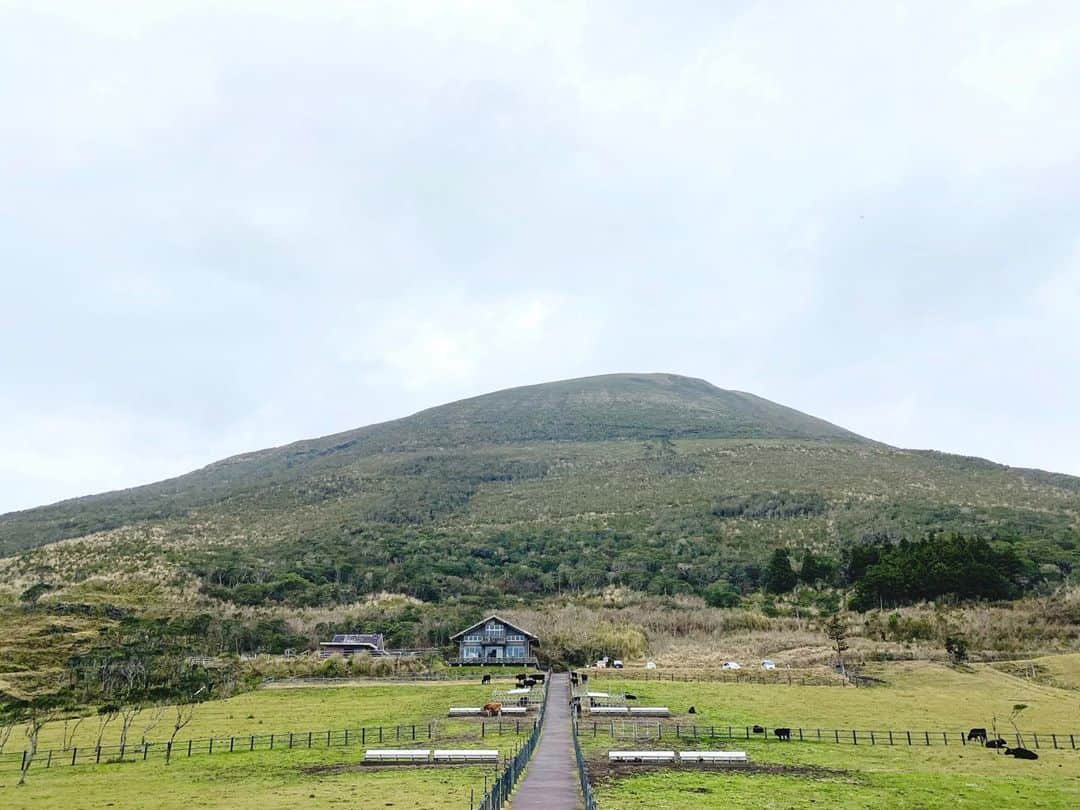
{"points": [[165, 751], [661, 730], [582, 769], [503, 786]]}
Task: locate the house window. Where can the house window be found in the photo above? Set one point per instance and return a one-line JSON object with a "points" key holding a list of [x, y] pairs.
{"points": [[474, 637], [515, 651], [515, 637], [470, 652]]}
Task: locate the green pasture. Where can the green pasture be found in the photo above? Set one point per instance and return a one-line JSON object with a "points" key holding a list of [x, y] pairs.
{"points": [[913, 696], [258, 781], [302, 709], [812, 774], [282, 777]]}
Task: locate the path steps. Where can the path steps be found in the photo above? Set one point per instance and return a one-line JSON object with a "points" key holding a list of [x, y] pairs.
{"points": [[551, 781]]}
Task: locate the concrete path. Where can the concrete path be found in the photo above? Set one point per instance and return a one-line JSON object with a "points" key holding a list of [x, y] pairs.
{"points": [[551, 781]]}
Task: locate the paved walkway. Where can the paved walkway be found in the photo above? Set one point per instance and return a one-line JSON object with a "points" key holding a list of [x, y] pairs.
{"points": [[551, 782]]}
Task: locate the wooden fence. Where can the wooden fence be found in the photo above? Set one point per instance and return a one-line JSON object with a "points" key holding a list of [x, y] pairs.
{"points": [[163, 751], [694, 731]]}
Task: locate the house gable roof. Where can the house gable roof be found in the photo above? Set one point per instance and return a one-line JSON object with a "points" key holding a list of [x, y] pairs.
{"points": [[487, 619]]}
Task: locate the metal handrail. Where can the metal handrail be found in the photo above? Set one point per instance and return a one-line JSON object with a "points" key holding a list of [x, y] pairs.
{"points": [[500, 790]]}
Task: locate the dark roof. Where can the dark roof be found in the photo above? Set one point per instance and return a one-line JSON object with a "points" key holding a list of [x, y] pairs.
{"points": [[374, 639], [487, 619]]}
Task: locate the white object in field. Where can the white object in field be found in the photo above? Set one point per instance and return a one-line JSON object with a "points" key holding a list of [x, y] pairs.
{"points": [[522, 691], [732, 665], [617, 664], [641, 756], [650, 665], [650, 711], [464, 711], [601, 711], [597, 694], [515, 711], [397, 755], [466, 755], [712, 756], [601, 664], [767, 664]]}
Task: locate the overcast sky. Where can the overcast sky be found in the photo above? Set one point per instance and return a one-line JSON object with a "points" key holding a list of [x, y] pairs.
{"points": [[230, 225]]}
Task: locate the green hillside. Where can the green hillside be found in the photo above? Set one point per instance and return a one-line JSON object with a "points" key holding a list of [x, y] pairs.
{"points": [[660, 483]]}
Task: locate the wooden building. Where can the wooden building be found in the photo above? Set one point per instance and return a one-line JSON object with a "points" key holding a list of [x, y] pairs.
{"points": [[349, 644], [495, 641]]}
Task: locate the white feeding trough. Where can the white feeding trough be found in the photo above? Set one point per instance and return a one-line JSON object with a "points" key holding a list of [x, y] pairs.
{"points": [[464, 711], [597, 694], [650, 711], [466, 755], [522, 691], [609, 711], [397, 755], [712, 756], [641, 756]]}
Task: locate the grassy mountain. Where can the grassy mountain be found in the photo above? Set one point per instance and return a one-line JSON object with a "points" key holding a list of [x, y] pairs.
{"points": [[661, 483]]}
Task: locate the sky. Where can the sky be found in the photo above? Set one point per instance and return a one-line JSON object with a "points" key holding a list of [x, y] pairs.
{"points": [[230, 225]]}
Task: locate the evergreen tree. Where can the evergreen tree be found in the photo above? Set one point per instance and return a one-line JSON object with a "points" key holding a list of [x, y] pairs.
{"points": [[779, 575]]}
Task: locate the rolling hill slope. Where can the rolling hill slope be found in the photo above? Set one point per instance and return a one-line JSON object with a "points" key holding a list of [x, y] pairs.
{"points": [[659, 482]]}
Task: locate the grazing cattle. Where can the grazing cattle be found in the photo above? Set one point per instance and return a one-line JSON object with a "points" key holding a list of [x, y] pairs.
{"points": [[485, 680], [998, 743], [691, 710], [628, 696], [782, 733], [1021, 753], [759, 729], [584, 678], [492, 709], [977, 734], [539, 677], [530, 682]]}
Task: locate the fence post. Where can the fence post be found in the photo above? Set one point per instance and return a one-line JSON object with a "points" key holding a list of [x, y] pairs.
{"points": [[836, 733], [854, 738], [97, 757], [890, 738], [74, 753], [908, 737], [926, 734], [232, 743], [145, 750], [23, 766], [189, 748], [211, 746], [1036, 736], [251, 743], [1054, 738]]}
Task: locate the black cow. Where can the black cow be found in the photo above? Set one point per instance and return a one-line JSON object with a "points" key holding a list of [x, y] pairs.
{"points": [[977, 734], [539, 677], [530, 682], [998, 743], [758, 729], [691, 710], [628, 696], [485, 679], [1021, 753], [782, 733], [584, 678]]}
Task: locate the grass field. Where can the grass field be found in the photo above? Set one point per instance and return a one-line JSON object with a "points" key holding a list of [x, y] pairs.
{"points": [[809, 774], [279, 778]]}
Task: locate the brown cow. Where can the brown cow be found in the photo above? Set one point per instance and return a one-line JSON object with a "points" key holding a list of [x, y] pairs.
{"points": [[492, 709]]}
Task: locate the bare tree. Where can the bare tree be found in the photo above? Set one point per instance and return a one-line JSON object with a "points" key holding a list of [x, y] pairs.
{"points": [[153, 720], [71, 725], [128, 713], [36, 715], [184, 712], [836, 630], [7, 725], [106, 714]]}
